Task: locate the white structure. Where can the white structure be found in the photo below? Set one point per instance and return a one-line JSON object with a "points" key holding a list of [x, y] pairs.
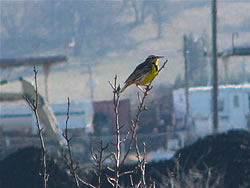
{"points": [[18, 116], [233, 107]]}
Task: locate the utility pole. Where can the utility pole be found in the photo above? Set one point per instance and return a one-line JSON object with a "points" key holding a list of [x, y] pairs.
{"points": [[1, 25], [215, 67], [185, 54], [46, 69], [91, 82]]}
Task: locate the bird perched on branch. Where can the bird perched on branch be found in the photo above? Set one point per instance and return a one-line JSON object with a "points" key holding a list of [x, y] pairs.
{"points": [[143, 73]]}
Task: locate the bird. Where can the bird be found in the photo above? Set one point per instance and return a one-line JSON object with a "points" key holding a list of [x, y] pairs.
{"points": [[144, 73]]}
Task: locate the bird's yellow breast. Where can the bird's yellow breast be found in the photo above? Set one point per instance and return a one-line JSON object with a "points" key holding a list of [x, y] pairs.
{"points": [[150, 77]]}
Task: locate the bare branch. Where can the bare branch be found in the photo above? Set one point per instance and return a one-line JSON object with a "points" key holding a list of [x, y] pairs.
{"points": [[126, 172], [134, 124], [111, 85], [110, 180], [68, 156], [100, 162], [34, 106], [93, 155], [119, 161], [109, 168], [84, 182], [126, 137], [163, 66], [131, 180], [108, 156], [117, 154]]}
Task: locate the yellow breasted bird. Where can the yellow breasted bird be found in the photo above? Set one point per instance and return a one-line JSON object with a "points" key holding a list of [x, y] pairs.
{"points": [[143, 73]]}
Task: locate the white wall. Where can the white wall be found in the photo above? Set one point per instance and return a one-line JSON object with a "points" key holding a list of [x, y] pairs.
{"points": [[231, 117]]}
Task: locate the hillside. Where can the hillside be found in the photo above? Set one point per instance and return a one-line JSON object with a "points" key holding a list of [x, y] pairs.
{"points": [[119, 49], [214, 161]]}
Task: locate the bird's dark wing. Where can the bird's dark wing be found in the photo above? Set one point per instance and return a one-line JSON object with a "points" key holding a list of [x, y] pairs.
{"points": [[139, 72]]}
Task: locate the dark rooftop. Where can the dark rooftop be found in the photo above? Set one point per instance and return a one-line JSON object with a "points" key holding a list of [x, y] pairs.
{"points": [[29, 61]]}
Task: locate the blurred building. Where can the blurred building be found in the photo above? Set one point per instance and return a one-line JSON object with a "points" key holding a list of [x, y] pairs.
{"points": [[233, 107], [19, 118], [18, 127], [105, 120]]}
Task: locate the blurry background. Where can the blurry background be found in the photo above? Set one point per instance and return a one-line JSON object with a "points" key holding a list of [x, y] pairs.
{"points": [[112, 37], [103, 38]]}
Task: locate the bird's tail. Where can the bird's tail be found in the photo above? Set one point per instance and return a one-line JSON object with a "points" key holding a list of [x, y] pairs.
{"points": [[124, 87]]}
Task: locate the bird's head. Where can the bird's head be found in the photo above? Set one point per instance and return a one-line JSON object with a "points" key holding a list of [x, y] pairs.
{"points": [[154, 59]]}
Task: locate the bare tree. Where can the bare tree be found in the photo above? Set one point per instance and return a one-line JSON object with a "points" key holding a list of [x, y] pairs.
{"points": [[98, 157], [34, 106], [117, 155], [68, 155], [99, 160]]}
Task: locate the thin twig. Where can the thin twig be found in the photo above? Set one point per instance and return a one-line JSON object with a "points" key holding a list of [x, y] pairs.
{"points": [[134, 124], [117, 155], [110, 180], [34, 106], [163, 66], [131, 180], [109, 168], [99, 162], [84, 182], [126, 172], [143, 166], [68, 156]]}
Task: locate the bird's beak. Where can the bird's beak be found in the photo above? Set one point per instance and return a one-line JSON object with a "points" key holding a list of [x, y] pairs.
{"points": [[158, 57]]}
